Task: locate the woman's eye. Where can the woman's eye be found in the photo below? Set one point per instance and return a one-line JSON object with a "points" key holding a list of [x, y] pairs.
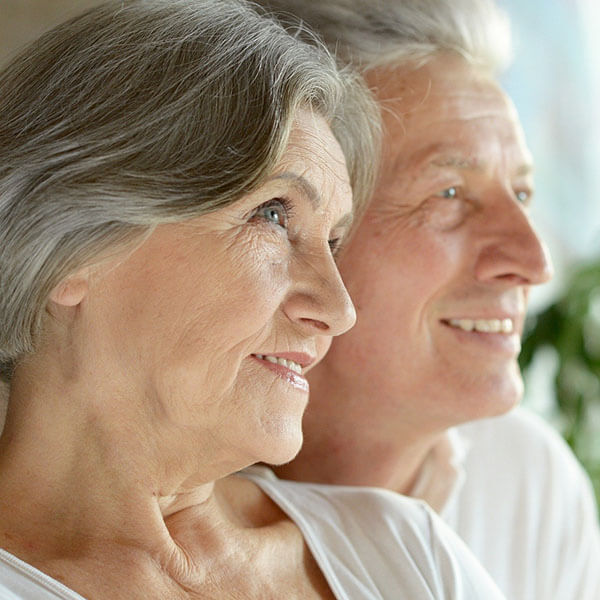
{"points": [[274, 211], [450, 193], [523, 197]]}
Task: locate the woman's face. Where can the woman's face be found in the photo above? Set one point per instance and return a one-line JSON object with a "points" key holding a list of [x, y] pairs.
{"points": [[200, 319]]}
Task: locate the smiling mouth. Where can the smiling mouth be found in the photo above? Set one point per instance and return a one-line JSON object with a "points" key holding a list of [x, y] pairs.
{"points": [[276, 360], [505, 326]]}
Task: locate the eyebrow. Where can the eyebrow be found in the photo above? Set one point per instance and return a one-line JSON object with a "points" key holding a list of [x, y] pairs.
{"points": [[473, 164], [458, 162], [302, 185], [345, 221]]}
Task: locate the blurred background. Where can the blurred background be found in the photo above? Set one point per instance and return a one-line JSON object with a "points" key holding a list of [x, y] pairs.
{"points": [[555, 83]]}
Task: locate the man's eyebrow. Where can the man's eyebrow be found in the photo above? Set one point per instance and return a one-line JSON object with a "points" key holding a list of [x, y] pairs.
{"points": [[345, 221], [473, 164], [301, 184], [457, 161]]}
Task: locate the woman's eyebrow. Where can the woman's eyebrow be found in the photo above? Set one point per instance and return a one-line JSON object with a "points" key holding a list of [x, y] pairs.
{"points": [[302, 184], [306, 188]]}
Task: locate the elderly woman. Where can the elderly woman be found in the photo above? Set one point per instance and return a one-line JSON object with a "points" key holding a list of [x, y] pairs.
{"points": [[175, 180]]}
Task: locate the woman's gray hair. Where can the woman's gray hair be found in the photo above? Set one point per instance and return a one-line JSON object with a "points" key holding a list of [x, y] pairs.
{"points": [[392, 33], [141, 112]]}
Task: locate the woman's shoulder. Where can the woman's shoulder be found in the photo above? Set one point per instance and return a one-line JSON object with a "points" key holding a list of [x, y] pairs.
{"points": [[21, 581], [386, 541], [345, 505]]}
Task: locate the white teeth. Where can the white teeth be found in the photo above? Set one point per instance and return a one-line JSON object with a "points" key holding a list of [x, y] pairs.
{"points": [[466, 324], [484, 325], [492, 326], [290, 364]]}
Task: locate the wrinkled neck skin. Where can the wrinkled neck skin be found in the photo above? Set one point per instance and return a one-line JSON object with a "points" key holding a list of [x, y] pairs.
{"points": [[349, 442], [87, 490]]}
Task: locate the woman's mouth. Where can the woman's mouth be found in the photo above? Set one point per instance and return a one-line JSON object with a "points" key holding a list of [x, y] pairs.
{"points": [[277, 360], [286, 368]]}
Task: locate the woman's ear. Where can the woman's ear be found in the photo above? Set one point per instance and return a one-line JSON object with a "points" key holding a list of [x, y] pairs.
{"points": [[72, 290]]}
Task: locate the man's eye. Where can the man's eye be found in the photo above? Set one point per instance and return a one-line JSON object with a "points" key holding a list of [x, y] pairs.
{"points": [[450, 193], [335, 245], [275, 211], [523, 197]]}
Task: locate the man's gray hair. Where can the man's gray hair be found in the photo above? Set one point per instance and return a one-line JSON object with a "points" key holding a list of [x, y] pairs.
{"points": [[391, 33], [141, 112]]}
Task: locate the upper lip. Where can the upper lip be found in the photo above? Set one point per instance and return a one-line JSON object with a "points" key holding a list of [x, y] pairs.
{"points": [[302, 358]]}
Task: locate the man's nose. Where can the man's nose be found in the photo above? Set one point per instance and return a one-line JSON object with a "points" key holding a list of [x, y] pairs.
{"points": [[511, 248]]}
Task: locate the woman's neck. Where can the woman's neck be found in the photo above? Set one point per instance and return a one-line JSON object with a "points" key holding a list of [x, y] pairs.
{"points": [[119, 510], [73, 475]]}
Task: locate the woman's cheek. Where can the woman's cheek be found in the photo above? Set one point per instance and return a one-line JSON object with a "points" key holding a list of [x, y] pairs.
{"points": [[263, 258]]}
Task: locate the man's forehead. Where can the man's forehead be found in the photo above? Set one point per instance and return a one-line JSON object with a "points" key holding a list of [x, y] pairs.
{"points": [[445, 86], [471, 153], [449, 100]]}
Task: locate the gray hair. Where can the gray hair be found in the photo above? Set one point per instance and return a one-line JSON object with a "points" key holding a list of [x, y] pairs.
{"points": [[391, 33], [140, 112]]}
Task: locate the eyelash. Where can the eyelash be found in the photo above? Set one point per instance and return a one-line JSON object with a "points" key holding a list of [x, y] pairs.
{"points": [[288, 211], [335, 244], [451, 196], [522, 196]]}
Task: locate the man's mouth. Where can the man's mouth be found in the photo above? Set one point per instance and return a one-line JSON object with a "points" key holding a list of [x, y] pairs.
{"points": [[505, 325]]}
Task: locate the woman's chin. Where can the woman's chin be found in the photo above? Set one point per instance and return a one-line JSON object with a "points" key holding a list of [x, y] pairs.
{"points": [[282, 449]]}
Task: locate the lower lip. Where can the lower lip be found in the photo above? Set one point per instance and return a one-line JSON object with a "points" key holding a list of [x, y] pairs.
{"points": [[290, 376], [508, 344]]}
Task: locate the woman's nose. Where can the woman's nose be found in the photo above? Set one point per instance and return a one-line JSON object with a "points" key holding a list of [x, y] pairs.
{"points": [[319, 301]]}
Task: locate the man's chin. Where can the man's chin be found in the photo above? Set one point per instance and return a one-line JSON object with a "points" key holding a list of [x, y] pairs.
{"points": [[498, 398]]}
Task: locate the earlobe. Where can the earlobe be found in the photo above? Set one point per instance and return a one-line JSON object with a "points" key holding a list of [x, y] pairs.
{"points": [[71, 291]]}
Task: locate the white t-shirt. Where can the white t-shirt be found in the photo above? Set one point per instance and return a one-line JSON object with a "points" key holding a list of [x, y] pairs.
{"points": [[374, 544], [523, 505], [20, 581], [369, 543]]}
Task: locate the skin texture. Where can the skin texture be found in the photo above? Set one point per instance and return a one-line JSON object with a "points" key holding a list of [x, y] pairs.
{"points": [[146, 392], [446, 236]]}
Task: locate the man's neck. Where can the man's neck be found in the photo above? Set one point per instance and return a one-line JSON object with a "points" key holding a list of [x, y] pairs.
{"points": [[378, 465], [348, 441]]}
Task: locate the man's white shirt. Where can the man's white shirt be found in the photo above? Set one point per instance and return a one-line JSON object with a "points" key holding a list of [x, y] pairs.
{"points": [[515, 493]]}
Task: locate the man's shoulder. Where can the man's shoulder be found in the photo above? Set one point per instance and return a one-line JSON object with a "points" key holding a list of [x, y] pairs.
{"points": [[521, 448], [517, 432], [524, 489]]}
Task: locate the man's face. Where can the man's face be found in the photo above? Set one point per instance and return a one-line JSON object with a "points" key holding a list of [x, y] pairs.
{"points": [[441, 265]]}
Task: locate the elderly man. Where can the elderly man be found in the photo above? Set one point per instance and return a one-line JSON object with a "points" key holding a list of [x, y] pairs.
{"points": [[440, 268]]}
